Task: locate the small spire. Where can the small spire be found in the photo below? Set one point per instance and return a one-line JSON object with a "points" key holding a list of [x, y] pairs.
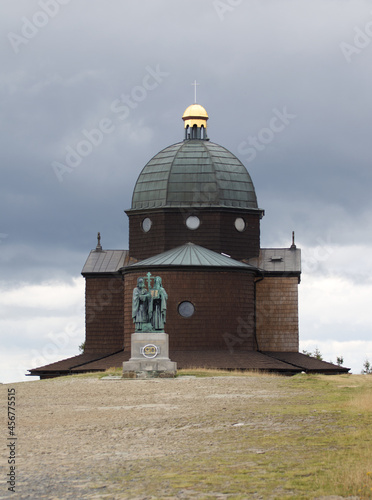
{"points": [[293, 246], [98, 247]]}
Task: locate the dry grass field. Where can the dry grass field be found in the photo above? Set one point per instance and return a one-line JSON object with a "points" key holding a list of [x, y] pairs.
{"points": [[202, 435]]}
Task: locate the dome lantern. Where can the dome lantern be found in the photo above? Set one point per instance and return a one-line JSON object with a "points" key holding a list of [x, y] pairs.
{"points": [[195, 118]]}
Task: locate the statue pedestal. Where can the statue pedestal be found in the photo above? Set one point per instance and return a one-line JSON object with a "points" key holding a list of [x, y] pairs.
{"points": [[149, 357]]}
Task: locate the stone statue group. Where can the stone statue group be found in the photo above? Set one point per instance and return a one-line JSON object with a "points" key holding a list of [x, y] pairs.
{"points": [[149, 307]]}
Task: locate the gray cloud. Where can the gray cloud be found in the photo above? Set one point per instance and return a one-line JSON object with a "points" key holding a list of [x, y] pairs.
{"points": [[259, 58]]}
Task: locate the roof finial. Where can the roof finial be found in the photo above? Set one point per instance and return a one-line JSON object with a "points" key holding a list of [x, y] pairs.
{"points": [[195, 84], [293, 246], [98, 247]]}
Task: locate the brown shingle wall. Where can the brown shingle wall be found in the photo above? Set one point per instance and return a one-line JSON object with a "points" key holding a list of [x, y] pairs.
{"points": [[224, 309], [104, 319], [240, 245], [207, 234], [277, 314], [216, 232], [143, 245]]}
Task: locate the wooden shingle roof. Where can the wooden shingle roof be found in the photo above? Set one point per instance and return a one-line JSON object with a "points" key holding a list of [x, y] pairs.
{"points": [[105, 261], [280, 362]]}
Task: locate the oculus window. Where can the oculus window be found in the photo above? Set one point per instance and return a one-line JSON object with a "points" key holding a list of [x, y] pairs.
{"points": [[146, 224], [193, 222], [239, 224], [186, 309]]}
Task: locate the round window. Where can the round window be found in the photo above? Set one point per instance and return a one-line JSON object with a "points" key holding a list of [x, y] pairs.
{"points": [[239, 224], [146, 224], [186, 309], [193, 222]]}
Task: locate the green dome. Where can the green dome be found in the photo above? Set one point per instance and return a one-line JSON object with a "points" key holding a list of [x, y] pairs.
{"points": [[194, 173]]}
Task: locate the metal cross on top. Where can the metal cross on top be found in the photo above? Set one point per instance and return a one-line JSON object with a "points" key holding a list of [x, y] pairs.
{"points": [[149, 278], [195, 85]]}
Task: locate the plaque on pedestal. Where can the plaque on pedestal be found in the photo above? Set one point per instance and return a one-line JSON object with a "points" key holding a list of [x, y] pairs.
{"points": [[149, 343], [149, 356]]}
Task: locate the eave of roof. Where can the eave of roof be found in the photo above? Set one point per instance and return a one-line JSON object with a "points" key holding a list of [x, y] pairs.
{"points": [[307, 363], [284, 362]]}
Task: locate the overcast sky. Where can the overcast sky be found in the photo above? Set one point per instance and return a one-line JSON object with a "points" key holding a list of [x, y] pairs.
{"points": [[90, 90]]}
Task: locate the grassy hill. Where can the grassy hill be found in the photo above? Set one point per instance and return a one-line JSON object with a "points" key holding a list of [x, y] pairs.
{"points": [[202, 435]]}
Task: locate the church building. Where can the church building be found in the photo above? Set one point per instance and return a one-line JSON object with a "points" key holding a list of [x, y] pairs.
{"points": [[195, 222]]}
